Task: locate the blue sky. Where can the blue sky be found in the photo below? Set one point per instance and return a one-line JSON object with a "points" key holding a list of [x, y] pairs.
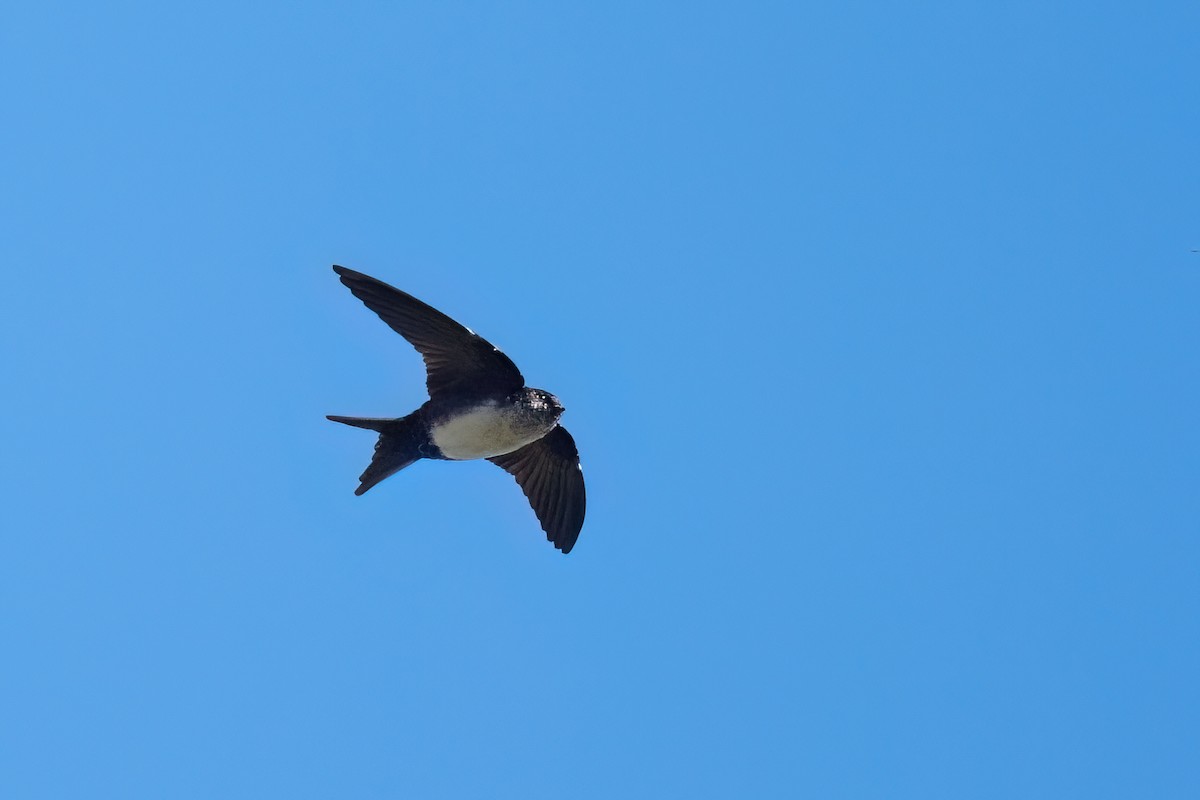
{"points": [[876, 325]]}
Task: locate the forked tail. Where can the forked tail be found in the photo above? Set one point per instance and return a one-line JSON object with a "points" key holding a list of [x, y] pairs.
{"points": [[399, 445]]}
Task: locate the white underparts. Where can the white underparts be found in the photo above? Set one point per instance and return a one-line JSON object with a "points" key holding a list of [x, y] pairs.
{"points": [[484, 432]]}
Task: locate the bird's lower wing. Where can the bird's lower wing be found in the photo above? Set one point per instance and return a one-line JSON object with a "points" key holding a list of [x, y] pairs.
{"points": [[549, 474]]}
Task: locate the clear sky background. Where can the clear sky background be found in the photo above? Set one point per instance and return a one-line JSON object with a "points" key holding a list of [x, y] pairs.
{"points": [[876, 325]]}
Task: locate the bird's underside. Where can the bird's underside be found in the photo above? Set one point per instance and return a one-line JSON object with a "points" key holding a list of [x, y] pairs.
{"points": [[479, 407]]}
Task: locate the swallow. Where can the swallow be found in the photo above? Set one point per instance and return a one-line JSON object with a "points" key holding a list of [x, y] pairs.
{"points": [[478, 407]]}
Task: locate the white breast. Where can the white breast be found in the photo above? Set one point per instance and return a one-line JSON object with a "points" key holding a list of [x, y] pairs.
{"points": [[484, 432]]}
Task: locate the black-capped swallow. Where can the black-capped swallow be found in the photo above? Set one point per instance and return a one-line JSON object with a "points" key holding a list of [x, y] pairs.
{"points": [[478, 407]]}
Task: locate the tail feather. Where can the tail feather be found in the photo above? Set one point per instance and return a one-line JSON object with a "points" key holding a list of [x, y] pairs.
{"points": [[398, 446], [370, 423]]}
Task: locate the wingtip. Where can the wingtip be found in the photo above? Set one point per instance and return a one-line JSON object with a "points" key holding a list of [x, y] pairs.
{"points": [[345, 273], [563, 543], [352, 278]]}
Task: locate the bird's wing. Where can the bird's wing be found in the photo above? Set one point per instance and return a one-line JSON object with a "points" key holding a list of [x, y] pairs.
{"points": [[457, 360], [548, 472]]}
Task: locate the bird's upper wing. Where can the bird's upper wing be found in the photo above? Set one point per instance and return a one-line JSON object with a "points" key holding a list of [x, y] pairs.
{"points": [[457, 359], [548, 472]]}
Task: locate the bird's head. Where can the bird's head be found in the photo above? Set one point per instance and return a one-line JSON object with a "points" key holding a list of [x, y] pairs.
{"points": [[544, 403]]}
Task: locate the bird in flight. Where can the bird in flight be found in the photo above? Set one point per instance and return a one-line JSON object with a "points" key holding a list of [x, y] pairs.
{"points": [[478, 407]]}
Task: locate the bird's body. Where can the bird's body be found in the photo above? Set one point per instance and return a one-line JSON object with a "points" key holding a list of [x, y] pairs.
{"points": [[479, 407], [492, 427]]}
